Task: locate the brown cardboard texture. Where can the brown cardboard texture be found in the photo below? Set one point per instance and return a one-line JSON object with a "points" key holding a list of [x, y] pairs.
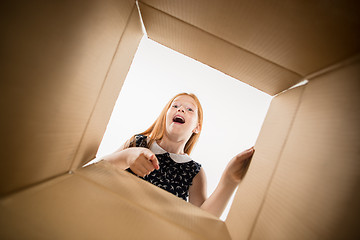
{"points": [[268, 44], [269, 145], [63, 65], [58, 59], [100, 202]]}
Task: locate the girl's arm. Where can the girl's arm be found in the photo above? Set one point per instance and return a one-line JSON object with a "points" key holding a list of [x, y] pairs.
{"points": [[232, 176], [197, 191], [118, 158]]}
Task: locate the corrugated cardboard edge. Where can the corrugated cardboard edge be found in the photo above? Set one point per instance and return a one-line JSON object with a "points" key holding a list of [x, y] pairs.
{"points": [[216, 52], [100, 201], [114, 79], [268, 150], [314, 191], [56, 56]]}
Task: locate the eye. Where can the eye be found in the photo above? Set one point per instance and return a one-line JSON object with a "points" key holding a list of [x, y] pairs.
{"points": [[190, 109], [175, 106]]}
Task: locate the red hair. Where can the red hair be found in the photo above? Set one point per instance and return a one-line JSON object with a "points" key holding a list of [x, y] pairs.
{"points": [[156, 131]]}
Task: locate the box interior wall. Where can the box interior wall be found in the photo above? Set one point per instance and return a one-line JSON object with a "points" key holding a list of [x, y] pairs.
{"points": [[64, 65]]}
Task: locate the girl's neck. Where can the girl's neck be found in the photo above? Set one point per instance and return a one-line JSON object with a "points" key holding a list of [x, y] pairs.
{"points": [[172, 146]]}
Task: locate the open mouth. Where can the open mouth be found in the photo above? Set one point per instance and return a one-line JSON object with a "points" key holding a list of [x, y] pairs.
{"points": [[178, 119]]}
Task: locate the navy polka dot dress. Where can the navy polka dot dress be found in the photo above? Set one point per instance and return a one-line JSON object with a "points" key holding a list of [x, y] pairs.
{"points": [[174, 177]]}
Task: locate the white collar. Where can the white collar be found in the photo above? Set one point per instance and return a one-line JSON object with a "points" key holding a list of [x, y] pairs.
{"points": [[179, 158]]}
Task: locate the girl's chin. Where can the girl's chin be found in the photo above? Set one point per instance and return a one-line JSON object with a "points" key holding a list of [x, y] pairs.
{"points": [[178, 130], [177, 125]]}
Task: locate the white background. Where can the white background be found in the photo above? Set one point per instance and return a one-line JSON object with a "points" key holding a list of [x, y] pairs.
{"points": [[233, 111]]}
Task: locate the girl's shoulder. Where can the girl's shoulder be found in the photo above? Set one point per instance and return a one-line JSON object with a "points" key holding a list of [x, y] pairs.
{"points": [[195, 166], [141, 140]]}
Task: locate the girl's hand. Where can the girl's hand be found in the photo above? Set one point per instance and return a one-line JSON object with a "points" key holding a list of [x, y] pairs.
{"points": [[238, 166], [141, 161], [234, 172]]}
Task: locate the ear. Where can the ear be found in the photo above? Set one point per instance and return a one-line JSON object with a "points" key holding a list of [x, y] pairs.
{"points": [[197, 129]]}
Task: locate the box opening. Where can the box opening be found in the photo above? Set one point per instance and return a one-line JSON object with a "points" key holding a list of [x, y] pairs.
{"points": [[233, 111]]}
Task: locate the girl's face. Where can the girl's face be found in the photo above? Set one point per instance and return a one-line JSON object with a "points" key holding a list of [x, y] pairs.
{"points": [[182, 118]]}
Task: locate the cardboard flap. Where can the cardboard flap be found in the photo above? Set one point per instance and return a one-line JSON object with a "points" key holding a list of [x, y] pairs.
{"points": [[304, 179], [109, 91], [296, 38], [314, 191], [216, 52], [57, 59], [100, 202], [252, 191]]}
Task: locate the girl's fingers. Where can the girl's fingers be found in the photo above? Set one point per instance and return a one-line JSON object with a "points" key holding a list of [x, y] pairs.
{"points": [[250, 149], [245, 154], [148, 165], [152, 158], [155, 162]]}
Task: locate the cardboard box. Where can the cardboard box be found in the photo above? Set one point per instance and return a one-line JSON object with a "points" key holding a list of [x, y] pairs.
{"points": [[63, 67]]}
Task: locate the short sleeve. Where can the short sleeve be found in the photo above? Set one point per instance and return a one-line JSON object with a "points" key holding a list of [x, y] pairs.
{"points": [[140, 141]]}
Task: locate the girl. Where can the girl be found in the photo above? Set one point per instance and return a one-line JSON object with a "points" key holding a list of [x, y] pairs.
{"points": [[160, 155]]}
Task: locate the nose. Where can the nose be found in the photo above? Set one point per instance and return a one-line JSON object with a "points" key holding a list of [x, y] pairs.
{"points": [[181, 109]]}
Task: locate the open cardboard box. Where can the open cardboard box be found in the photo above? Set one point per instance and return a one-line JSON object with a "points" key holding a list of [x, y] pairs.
{"points": [[63, 66]]}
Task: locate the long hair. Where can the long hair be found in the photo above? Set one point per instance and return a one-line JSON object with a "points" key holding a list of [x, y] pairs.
{"points": [[156, 131]]}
